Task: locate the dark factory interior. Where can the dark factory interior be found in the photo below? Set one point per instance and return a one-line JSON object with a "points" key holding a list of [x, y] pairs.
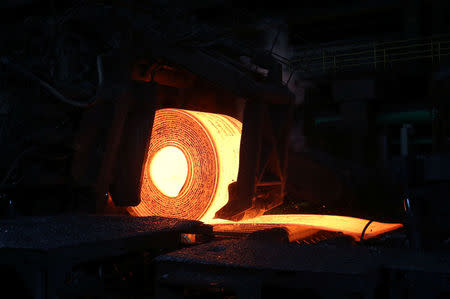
{"points": [[225, 149]]}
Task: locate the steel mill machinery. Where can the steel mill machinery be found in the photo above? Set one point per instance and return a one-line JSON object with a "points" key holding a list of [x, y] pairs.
{"points": [[145, 158], [111, 143]]}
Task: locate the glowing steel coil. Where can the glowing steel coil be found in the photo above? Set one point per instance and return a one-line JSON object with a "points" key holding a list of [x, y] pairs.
{"points": [[192, 158]]}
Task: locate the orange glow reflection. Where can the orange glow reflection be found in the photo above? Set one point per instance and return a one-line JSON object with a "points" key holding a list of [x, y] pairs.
{"points": [[347, 225]]}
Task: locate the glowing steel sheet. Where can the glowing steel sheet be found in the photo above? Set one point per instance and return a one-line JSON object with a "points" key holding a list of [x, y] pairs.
{"points": [[193, 157], [347, 225]]}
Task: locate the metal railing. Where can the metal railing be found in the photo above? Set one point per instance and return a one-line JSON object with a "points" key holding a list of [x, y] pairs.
{"points": [[373, 55]]}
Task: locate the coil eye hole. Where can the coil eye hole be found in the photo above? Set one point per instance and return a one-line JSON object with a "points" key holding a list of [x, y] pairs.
{"points": [[169, 170]]}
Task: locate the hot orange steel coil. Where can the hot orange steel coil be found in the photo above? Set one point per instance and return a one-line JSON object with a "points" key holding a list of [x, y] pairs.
{"points": [[192, 158]]}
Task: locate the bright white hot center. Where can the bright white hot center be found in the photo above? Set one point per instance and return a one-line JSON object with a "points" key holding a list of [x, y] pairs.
{"points": [[169, 170]]}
